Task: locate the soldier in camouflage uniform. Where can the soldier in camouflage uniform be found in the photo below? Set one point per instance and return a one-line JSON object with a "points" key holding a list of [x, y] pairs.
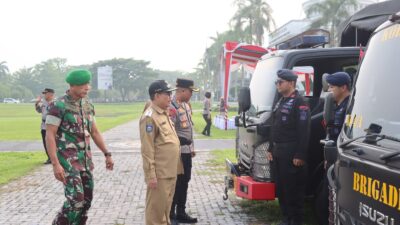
{"points": [[181, 114], [70, 123]]}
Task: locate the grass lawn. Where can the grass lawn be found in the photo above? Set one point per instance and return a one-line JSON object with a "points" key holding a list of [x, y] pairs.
{"points": [[17, 164], [199, 124], [21, 122], [265, 211]]}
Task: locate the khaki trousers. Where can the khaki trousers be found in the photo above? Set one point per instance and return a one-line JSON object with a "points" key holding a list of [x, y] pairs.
{"points": [[159, 201]]}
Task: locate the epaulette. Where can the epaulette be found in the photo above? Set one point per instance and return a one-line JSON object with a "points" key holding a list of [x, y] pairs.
{"points": [[148, 112]]}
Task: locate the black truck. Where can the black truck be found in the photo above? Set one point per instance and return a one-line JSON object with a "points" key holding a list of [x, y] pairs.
{"points": [[251, 177], [365, 177]]}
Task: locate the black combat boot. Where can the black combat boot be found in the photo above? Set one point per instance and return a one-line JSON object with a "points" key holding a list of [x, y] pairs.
{"points": [[183, 217]]}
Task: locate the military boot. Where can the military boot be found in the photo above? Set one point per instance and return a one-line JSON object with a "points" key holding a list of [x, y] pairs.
{"points": [[183, 217]]}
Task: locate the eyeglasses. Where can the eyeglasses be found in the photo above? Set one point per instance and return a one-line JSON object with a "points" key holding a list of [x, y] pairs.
{"points": [[279, 82]]}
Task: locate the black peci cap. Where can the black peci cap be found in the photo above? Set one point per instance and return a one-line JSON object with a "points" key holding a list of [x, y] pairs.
{"points": [[287, 75], [159, 86], [47, 90], [186, 83], [338, 79]]}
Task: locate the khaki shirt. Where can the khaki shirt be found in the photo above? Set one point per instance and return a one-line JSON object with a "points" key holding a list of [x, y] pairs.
{"points": [[160, 145]]}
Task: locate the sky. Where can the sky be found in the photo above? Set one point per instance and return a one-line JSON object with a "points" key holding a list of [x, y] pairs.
{"points": [[172, 34]]}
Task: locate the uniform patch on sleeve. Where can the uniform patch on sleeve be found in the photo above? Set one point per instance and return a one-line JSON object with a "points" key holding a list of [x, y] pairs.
{"points": [[303, 115], [149, 128]]}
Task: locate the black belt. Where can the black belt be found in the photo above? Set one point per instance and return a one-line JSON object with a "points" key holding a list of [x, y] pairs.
{"points": [[184, 141]]}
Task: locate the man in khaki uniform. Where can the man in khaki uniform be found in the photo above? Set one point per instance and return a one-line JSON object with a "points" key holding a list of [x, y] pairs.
{"points": [[160, 153], [180, 113]]}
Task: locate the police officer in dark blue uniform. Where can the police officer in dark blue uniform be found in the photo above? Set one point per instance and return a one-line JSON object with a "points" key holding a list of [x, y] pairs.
{"points": [[339, 85], [288, 149]]}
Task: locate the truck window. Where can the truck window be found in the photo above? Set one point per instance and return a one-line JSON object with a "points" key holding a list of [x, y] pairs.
{"points": [[371, 103], [305, 80], [263, 84]]}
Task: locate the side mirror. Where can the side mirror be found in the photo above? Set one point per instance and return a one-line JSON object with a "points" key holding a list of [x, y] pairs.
{"points": [[330, 152], [329, 106], [244, 99], [237, 121]]}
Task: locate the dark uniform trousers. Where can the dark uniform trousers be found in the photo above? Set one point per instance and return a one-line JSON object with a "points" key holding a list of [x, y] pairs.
{"points": [[290, 182], [182, 183], [43, 132]]}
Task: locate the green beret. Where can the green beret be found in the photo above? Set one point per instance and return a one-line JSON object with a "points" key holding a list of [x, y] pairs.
{"points": [[78, 77]]}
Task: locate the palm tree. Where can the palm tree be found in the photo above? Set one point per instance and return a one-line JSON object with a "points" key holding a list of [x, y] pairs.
{"points": [[331, 14], [252, 19], [27, 77], [3, 69]]}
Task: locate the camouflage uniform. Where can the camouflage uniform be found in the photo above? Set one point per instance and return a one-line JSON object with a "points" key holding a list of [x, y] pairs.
{"points": [[74, 119]]}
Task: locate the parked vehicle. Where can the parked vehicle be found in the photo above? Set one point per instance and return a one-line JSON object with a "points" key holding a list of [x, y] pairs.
{"points": [[251, 176], [11, 100], [365, 178]]}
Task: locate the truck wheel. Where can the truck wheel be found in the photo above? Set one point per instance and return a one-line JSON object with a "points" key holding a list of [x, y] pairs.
{"points": [[321, 202]]}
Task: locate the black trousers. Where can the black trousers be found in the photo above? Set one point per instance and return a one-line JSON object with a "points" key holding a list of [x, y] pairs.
{"points": [[44, 142], [290, 183], [182, 184], [208, 126]]}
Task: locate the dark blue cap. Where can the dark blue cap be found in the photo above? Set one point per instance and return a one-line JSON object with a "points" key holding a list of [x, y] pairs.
{"points": [[286, 74], [338, 79]]}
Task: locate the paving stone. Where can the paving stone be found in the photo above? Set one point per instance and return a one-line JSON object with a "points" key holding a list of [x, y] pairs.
{"points": [[119, 195]]}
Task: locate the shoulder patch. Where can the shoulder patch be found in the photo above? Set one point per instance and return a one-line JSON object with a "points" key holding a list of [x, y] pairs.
{"points": [[148, 112], [149, 128]]}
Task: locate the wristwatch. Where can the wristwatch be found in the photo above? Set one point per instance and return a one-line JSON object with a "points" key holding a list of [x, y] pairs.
{"points": [[107, 154]]}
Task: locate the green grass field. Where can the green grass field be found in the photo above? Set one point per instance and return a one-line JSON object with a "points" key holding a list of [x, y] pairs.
{"points": [[22, 122], [216, 133], [17, 164]]}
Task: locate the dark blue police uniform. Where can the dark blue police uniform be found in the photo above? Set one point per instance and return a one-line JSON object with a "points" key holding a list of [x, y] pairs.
{"points": [[289, 140], [338, 119]]}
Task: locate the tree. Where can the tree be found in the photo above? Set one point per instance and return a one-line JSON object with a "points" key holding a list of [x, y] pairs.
{"points": [[330, 13], [252, 19], [130, 76], [51, 74], [26, 77], [3, 70]]}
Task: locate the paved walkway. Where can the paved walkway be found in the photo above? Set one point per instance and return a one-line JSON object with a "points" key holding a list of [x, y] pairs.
{"points": [[119, 194], [121, 138]]}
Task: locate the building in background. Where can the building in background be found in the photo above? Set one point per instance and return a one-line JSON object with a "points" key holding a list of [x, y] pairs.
{"points": [[281, 35]]}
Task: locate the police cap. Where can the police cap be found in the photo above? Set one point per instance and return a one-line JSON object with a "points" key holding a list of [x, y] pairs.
{"points": [[47, 90], [78, 77], [338, 79], [160, 86], [287, 75], [186, 83]]}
